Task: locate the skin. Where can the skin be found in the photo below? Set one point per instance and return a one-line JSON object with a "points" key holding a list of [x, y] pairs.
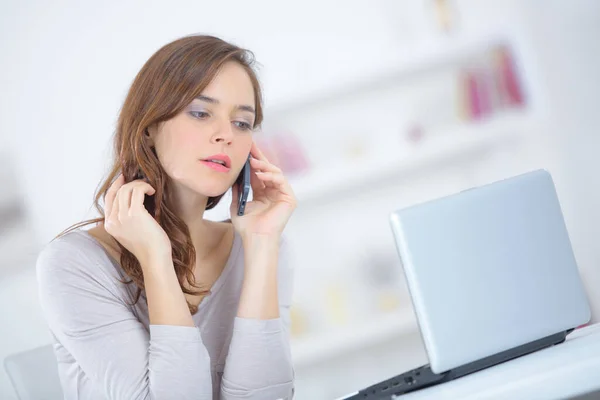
{"points": [[205, 128]]}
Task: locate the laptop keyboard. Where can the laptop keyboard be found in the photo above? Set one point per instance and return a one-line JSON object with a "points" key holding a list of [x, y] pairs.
{"points": [[407, 382]]}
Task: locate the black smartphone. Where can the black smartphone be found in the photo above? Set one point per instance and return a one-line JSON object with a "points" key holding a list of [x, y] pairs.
{"points": [[243, 183]]}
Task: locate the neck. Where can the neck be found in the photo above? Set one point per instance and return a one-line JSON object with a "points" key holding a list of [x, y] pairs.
{"points": [[190, 207]]}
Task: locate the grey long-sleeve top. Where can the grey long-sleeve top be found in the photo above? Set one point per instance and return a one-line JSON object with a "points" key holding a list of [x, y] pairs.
{"points": [[107, 348]]}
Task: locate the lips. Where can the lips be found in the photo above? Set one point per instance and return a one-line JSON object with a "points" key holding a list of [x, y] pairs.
{"points": [[221, 159], [215, 165], [218, 162]]}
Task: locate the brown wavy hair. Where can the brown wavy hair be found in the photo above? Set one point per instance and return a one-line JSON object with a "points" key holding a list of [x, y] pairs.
{"points": [[168, 82]]}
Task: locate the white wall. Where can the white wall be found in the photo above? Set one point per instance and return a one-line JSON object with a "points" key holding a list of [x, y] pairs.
{"points": [[565, 38]]}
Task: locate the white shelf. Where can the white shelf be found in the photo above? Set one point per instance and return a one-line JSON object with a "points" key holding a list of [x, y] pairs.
{"points": [[453, 144], [310, 350], [394, 67]]}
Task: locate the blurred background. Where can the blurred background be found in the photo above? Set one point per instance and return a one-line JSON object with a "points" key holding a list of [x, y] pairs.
{"points": [[370, 107]]}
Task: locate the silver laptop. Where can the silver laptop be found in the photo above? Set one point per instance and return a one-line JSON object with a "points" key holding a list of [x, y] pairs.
{"points": [[492, 277]]}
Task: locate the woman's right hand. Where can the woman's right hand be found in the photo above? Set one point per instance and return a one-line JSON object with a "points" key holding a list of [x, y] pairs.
{"points": [[128, 221]]}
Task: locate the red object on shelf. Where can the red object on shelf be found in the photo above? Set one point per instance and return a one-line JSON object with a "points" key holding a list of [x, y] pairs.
{"points": [[265, 146], [284, 151], [485, 93], [474, 96], [290, 153], [508, 78], [415, 133]]}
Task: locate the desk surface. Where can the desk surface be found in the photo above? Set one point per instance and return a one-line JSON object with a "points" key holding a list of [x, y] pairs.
{"points": [[563, 371]]}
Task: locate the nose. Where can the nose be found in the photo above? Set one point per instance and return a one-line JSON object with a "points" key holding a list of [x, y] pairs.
{"points": [[223, 132]]}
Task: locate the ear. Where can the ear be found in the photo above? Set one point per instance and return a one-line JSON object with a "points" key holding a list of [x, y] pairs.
{"points": [[150, 134]]}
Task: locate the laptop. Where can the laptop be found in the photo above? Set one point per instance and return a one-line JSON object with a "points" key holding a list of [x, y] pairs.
{"points": [[492, 277]]}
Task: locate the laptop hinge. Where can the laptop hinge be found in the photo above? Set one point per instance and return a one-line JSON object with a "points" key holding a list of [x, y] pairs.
{"points": [[506, 355]]}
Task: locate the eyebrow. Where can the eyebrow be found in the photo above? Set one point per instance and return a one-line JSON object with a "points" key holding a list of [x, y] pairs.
{"points": [[242, 107]]}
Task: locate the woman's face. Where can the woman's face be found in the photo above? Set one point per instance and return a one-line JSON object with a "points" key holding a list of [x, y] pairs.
{"points": [[216, 126]]}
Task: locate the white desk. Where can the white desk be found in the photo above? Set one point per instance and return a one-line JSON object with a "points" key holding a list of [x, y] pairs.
{"points": [[567, 370]]}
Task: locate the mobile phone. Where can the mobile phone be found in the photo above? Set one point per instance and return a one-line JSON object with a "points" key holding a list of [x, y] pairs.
{"points": [[243, 183]]}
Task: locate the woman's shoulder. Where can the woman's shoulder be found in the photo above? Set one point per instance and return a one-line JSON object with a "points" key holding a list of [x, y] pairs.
{"points": [[79, 287], [73, 244], [76, 255]]}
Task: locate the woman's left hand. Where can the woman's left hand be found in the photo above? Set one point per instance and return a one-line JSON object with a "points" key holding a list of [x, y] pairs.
{"points": [[272, 203]]}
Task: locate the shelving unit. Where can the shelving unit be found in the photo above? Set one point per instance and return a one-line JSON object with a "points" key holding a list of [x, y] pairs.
{"points": [[313, 349], [442, 147], [426, 57]]}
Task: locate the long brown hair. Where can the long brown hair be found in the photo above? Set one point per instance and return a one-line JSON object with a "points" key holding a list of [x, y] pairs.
{"points": [[168, 82]]}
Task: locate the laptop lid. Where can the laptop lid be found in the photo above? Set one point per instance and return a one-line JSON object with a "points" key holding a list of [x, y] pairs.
{"points": [[489, 269]]}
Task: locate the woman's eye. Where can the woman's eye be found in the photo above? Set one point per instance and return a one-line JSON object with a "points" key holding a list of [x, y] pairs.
{"points": [[199, 114], [243, 125]]}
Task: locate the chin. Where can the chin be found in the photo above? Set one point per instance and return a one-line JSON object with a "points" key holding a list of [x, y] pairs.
{"points": [[205, 186], [210, 190]]}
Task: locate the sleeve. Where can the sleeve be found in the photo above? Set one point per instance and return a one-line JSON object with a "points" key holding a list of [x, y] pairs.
{"points": [[118, 355], [259, 362]]}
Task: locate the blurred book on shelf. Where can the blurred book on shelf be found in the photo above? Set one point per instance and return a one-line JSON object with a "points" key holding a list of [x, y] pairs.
{"points": [[490, 85], [284, 150], [446, 15]]}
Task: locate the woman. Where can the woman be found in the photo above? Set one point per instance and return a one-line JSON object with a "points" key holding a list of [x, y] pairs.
{"points": [[156, 302]]}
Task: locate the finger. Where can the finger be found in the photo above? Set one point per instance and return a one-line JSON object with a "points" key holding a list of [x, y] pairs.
{"points": [[264, 166], [111, 193], [124, 202], [271, 178], [234, 199], [127, 199], [276, 181], [258, 186], [114, 212], [256, 153], [138, 196], [149, 190]]}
